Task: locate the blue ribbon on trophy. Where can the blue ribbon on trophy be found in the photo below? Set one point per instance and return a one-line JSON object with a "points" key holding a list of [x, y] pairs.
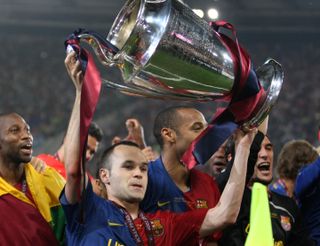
{"points": [[165, 51]]}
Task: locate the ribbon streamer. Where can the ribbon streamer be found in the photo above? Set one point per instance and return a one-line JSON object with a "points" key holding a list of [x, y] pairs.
{"points": [[246, 95]]}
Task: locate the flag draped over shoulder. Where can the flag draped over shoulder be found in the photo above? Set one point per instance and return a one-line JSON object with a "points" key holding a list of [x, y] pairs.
{"points": [[260, 232]]}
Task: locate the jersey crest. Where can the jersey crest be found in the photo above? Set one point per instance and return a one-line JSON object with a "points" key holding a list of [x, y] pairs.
{"points": [[201, 203], [285, 223], [157, 228]]}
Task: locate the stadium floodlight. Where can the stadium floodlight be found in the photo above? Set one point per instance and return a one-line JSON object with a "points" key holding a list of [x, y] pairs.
{"points": [[213, 14]]}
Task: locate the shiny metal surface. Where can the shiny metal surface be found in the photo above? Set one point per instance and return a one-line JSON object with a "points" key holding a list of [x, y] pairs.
{"points": [[271, 77], [165, 51]]}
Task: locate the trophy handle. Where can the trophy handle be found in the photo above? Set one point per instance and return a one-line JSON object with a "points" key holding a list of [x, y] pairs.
{"points": [[104, 50], [270, 75]]}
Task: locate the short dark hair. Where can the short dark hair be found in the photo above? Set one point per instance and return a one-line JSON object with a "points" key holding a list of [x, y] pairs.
{"points": [[167, 118], [293, 156], [104, 161], [95, 131]]}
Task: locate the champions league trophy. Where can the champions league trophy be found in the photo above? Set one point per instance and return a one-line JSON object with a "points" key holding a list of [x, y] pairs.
{"points": [[165, 51]]}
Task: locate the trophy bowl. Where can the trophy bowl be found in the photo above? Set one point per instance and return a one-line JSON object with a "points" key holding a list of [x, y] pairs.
{"points": [[165, 51]]}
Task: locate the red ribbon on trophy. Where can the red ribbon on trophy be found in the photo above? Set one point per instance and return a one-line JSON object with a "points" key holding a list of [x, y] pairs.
{"points": [[89, 94], [244, 100]]}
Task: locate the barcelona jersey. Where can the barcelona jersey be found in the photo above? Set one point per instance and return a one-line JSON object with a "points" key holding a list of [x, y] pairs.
{"points": [[103, 223], [163, 194]]}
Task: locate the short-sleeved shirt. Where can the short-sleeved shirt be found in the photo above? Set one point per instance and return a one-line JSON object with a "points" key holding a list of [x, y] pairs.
{"points": [[104, 224], [307, 191], [163, 194]]}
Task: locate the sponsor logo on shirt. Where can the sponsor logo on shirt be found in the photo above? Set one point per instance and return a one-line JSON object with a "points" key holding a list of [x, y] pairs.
{"points": [[114, 243], [161, 204], [157, 228], [110, 223]]}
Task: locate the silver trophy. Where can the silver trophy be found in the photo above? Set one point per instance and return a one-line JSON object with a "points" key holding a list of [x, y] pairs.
{"points": [[165, 51]]}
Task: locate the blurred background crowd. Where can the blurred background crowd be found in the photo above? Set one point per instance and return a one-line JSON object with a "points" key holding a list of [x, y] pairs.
{"points": [[34, 83]]}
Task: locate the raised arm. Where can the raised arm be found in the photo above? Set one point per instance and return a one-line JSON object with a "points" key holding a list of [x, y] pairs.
{"points": [[135, 132], [72, 139], [226, 212], [223, 177], [136, 135]]}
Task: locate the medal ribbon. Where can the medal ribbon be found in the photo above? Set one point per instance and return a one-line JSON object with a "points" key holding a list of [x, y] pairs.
{"points": [[132, 228]]}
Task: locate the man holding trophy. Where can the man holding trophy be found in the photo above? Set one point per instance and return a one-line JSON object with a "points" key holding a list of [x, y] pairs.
{"points": [[92, 220], [165, 51]]}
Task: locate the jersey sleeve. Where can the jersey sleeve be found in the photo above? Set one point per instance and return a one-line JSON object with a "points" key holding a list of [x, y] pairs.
{"points": [[74, 212], [307, 178]]}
